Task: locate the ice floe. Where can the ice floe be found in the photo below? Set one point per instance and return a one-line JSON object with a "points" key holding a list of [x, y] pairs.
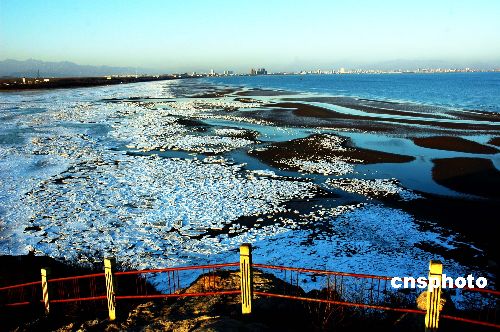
{"points": [[230, 132], [128, 206], [374, 188], [333, 167]]}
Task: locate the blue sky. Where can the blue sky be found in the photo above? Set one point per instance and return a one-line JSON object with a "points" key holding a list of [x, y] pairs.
{"points": [[236, 35]]}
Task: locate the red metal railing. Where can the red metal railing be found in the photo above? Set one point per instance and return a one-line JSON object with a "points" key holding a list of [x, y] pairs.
{"points": [[21, 294], [370, 292], [89, 287], [132, 285], [361, 291], [341, 289], [172, 284], [481, 307]]}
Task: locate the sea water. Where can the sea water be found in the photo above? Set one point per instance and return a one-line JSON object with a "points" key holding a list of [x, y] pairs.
{"points": [[479, 91]]}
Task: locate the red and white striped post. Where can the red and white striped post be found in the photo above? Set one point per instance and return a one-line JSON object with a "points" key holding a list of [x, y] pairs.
{"points": [[45, 290]]}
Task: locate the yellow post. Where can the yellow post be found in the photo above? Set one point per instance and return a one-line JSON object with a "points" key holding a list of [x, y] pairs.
{"points": [[433, 296], [45, 290], [109, 264], [246, 278]]}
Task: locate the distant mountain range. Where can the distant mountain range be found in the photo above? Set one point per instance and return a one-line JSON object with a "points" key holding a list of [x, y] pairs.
{"points": [[31, 68]]}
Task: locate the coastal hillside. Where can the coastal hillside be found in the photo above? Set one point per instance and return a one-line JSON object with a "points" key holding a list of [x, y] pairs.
{"points": [[34, 68]]}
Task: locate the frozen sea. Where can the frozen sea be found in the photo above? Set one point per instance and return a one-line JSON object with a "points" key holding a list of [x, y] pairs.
{"points": [[142, 173]]}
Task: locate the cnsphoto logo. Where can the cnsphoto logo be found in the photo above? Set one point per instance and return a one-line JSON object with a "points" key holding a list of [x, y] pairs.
{"points": [[435, 282]]}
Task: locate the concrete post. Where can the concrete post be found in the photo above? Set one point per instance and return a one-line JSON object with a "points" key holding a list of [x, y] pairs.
{"points": [[434, 296], [109, 264], [246, 278]]}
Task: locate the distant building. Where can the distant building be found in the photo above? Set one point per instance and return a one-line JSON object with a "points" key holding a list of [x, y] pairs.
{"points": [[228, 72], [260, 71], [342, 70], [24, 80], [212, 72]]}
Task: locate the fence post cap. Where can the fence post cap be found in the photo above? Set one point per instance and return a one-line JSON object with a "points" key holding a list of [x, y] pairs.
{"points": [[109, 262], [435, 267], [245, 249]]}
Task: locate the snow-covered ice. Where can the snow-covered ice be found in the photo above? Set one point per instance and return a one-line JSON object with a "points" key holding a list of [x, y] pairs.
{"points": [[374, 188], [333, 167]]}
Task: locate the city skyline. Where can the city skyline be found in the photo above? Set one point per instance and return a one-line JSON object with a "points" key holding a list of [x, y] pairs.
{"points": [[38, 69], [222, 35]]}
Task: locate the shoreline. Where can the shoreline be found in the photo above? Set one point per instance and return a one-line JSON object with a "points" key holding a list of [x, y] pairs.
{"points": [[15, 84]]}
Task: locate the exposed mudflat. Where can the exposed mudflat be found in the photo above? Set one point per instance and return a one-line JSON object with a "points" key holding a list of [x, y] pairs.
{"points": [[264, 93], [371, 122], [494, 141], [322, 151], [401, 108], [451, 143], [475, 176]]}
